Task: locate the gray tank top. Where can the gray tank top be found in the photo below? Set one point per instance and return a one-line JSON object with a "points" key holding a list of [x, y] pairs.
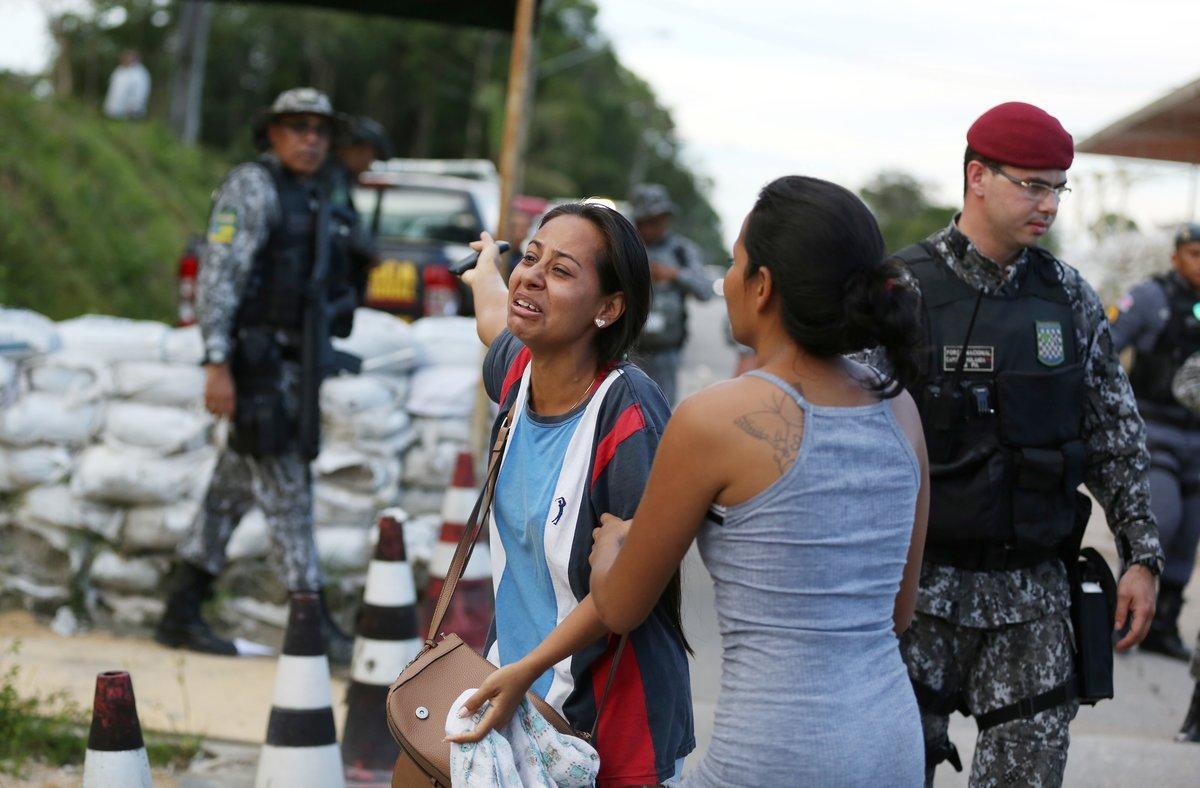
{"points": [[813, 689]]}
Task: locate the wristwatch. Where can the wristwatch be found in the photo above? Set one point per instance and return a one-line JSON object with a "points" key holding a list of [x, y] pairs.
{"points": [[214, 357]]}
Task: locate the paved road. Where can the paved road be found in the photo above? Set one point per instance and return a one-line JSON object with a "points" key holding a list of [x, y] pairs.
{"points": [[1123, 742]]}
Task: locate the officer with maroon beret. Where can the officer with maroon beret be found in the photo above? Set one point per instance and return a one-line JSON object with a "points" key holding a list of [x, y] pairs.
{"points": [[1022, 399]]}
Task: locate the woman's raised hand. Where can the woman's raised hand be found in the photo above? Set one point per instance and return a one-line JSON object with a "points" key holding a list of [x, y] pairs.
{"points": [[489, 259]]}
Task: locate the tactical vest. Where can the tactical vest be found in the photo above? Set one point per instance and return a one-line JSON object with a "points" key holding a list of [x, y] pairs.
{"points": [[1001, 398], [1153, 372], [274, 295]]}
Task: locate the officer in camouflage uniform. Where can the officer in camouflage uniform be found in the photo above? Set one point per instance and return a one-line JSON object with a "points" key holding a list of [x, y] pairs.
{"points": [[676, 273], [253, 274], [1186, 388], [363, 141], [1022, 398], [1160, 319]]}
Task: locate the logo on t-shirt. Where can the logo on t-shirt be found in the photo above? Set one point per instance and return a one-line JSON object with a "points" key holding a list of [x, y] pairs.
{"points": [[562, 505]]}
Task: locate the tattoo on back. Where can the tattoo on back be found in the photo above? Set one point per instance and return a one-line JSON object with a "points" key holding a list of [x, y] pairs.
{"points": [[780, 424]]}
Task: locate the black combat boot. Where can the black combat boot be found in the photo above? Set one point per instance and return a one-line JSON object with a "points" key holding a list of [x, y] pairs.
{"points": [[181, 625], [338, 645], [1190, 732], [1163, 637]]}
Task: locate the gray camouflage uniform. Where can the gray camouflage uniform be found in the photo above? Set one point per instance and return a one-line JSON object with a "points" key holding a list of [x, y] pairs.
{"points": [[999, 637], [1186, 388], [669, 302], [244, 209]]}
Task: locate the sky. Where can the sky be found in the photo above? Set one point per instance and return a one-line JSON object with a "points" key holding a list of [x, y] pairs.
{"points": [[842, 90]]}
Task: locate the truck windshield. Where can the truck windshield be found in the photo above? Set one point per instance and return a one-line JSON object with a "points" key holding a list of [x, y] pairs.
{"points": [[416, 214]]}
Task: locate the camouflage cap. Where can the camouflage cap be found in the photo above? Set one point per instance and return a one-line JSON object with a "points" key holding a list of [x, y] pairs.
{"points": [[1186, 234], [296, 101], [649, 200], [364, 130]]}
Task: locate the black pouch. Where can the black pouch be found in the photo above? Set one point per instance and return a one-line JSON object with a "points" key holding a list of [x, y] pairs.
{"points": [[261, 426], [1093, 605], [968, 500]]}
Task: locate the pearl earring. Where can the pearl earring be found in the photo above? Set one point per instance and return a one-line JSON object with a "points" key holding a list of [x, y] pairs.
{"points": [[600, 322]]}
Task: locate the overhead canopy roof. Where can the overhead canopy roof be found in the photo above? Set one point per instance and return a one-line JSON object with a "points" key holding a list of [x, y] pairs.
{"points": [[497, 14], [1167, 129]]}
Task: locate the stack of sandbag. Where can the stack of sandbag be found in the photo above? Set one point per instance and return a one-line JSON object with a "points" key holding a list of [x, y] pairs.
{"points": [[442, 399]]}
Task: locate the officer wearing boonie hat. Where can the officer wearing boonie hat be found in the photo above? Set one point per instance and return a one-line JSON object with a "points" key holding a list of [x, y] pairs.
{"points": [[676, 273], [1022, 399], [1160, 320], [254, 273]]}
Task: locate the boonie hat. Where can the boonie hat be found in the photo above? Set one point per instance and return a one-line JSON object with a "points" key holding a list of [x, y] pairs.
{"points": [[650, 199], [1022, 135], [308, 101]]}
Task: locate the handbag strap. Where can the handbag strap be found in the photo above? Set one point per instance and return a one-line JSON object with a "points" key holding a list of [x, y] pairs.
{"points": [[466, 545]]}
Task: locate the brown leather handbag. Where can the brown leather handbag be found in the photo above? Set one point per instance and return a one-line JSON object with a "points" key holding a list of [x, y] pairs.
{"points": [[419, 700]]}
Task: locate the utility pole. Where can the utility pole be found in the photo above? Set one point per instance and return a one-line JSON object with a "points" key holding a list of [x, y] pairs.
{"points": [[187, 81]]}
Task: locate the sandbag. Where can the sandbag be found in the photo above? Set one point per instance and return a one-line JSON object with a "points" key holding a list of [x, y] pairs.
{"points": [[25, 334], [38, 417], [130, 477], [76, 377], [385, 343], [55, 505], [344, 397], [251, 538], [421, 501], [430, 465], [162, 430], [174, 385], [158, 527], [10, 382], [114, 338], [183, 346], [444, 390], [132, 610], [449, 341], [347, 467], [377, 424], [343, 548], [432, 429], [336, 505], [127, 574], [22, 468]]}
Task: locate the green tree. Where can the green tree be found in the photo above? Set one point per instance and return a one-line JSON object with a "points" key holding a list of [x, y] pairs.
{"points": [[903, 208]]}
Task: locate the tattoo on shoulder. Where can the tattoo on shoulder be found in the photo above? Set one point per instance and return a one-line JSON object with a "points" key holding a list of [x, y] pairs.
{"points": [[780, 424]]}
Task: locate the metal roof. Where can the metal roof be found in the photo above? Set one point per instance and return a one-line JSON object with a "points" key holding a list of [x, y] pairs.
{"points": [[1167, 129]]}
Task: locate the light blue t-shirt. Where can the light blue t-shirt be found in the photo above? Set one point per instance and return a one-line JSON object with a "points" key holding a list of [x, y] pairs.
{"points": [[526, 610]]}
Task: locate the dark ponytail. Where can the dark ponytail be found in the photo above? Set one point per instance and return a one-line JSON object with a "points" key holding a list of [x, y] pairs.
{"points": [[837, 292]]}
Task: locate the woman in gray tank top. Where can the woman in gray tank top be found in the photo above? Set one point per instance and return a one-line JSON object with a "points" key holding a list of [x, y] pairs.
{"points": [[805, 483]]}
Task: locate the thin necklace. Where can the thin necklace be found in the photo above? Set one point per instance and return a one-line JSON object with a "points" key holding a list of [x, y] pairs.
{"points": [[586, 391]]}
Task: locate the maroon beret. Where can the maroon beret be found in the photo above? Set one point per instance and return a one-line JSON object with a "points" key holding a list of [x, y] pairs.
{"points": [[1022, 135]]}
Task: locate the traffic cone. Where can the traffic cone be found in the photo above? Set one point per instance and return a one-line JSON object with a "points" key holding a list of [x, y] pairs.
{"points": [[116, 754], [470, 612], [387, 641], [301, 748]]}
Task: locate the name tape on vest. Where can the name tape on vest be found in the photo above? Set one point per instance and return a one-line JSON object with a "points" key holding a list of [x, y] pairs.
{"points": [[980, 358]]}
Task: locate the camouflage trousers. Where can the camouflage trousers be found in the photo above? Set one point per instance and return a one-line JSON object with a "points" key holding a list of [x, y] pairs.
{"points": [[282, 488], [1196, 659], [987, 669]]}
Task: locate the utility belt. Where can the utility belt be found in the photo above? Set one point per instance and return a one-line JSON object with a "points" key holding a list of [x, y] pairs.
{"points": [[1093, 606], [1172, 415], [263, 424], [986, 556]]}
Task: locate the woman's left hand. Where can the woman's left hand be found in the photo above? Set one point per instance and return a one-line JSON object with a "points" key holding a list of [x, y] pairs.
{"points": [[607, 541], [504, 689]]}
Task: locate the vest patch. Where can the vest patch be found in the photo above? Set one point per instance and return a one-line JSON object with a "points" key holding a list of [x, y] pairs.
{"points": [[1050, 349], [223, 227], [980, 358]]}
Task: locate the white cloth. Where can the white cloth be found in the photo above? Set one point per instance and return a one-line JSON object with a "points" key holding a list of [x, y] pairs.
{"points": [[128, 92], [527, 753]]}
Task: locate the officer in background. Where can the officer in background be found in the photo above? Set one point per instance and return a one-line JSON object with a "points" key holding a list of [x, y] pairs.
{"points": [[1022, 399], [252, 307], [1160, 319], [676, 272], [1186, 389], [362, 142]]}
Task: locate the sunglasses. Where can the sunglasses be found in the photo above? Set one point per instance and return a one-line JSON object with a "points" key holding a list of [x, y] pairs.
{"points": [[302, 127]]}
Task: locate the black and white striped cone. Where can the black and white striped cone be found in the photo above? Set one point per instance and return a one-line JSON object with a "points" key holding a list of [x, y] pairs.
{"points": [[470, 613], [116, 754], [301, 749], [387, 640]]}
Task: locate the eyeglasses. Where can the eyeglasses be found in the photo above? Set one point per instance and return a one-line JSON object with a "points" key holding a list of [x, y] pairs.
{"points": [[301, 127], [1034, 190]]}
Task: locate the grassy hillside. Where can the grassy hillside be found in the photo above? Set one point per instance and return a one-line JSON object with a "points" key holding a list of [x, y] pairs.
{"points": [[93, 212]]}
